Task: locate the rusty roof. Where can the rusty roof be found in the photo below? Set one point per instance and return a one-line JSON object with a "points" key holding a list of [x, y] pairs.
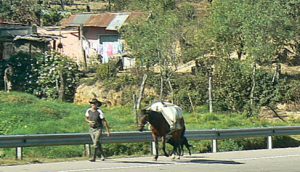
{"points": [[99, 20]]}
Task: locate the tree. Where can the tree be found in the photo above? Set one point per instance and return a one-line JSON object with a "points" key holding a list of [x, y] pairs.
{"points": [[154, 42], [257, 30]]}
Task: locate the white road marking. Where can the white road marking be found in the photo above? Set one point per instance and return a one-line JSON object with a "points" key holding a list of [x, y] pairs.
{"points": [[266, 157], [114, 168], [176, 163]]}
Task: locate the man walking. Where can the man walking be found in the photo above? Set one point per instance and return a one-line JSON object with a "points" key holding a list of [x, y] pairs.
{"points": [[95, 118]]}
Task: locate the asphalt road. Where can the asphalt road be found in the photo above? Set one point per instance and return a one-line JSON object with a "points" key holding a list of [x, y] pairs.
{"points": [[276, 160]]}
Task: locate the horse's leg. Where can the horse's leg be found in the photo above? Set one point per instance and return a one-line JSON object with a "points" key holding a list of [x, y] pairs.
{"points": [[164, 146], [156, 147], [179, 150], [182, 151]]}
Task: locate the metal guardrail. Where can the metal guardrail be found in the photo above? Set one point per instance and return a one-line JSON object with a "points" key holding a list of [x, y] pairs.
{"points": [[20, 141]]}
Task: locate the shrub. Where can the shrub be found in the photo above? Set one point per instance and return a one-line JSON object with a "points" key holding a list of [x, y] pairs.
{"points": [[231, 85], [52, 16], [42, 74], [293, 93], [24, 74], [229, 145], [55, 69], [106, 71]]}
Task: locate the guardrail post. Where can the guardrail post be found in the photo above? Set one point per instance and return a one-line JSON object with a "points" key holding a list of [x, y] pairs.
{"points": [[153, 148], [214, 145], [87, 150], [270, 145], [19, 155]]}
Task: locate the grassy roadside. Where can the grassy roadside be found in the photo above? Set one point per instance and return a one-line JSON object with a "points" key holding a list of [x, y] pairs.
{"points": [[22, 113]]}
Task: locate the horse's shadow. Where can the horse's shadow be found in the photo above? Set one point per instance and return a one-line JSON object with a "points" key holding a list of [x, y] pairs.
{"points": [[210, 161], [145, 162], [193, 161]]}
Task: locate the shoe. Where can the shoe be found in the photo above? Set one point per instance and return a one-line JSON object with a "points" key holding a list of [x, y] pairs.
{"points": [[92, 160], [102, 158]]}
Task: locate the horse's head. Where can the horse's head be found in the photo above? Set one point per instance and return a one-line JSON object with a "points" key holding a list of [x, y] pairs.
{"points": [[143, 119]]}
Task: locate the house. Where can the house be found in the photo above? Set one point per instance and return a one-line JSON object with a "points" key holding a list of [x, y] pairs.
{"points": [[99, 35], [17, 37], [8, 31]]}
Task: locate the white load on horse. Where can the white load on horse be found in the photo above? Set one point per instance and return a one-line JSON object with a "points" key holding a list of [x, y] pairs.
{"points": [[172, 113]]}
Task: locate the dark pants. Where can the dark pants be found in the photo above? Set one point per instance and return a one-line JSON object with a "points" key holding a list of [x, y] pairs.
{"points": [[96, 147]]}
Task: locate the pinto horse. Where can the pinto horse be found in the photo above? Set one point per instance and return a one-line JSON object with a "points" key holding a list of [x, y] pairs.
{"points": [[160, 129]]}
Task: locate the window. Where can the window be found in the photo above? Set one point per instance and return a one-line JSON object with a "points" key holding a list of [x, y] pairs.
{"points": [[108, 38]]}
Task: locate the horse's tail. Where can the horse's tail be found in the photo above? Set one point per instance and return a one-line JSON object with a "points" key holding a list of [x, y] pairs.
{"points": [[183, 128]]}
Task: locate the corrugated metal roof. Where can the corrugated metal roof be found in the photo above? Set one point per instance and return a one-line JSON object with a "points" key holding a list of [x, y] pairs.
{"points": [[100, 20], [112, 20], [117, 22], [80, 19]]}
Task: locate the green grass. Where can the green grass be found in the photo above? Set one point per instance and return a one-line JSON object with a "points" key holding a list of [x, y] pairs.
{"points": [[25, 114], [22, 113]]}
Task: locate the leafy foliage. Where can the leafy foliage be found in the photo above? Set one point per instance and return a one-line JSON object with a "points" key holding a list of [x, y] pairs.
{"points": [[40, 74], [32, 11], [106, 71], [258, 29], [53, 16], [232, 85], [51, 67]]}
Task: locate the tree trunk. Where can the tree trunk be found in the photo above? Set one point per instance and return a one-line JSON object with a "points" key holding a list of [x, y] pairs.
{"points": [[139, 100], [210, 91], [161, 86], [192, 105], [83, 51], [253, 86], [61, 93], [142, 88], [134, 108], [276, 73], [171, 89], [109, 5], [62, 4]]}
